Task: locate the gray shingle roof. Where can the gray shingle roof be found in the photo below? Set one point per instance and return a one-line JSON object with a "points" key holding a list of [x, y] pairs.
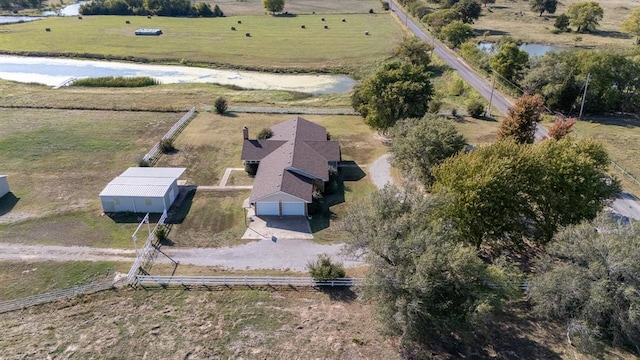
{"points": [[297, 153]]}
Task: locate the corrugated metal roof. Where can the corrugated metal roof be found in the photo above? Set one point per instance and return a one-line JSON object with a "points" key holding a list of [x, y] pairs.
{"points": [[123, 180], [153, 172], [135, 190]]}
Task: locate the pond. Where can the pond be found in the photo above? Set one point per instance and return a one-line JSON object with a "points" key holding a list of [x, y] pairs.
{"points": [[17, 19], [531, 49], [53, 71], [69, 10]]}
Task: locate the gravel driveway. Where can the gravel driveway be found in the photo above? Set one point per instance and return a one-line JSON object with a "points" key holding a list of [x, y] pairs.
{"points": [[380, 171]]}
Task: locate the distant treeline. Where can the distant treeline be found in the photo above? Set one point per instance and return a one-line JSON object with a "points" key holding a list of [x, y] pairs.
{"points": [[116, 81], [149, 7], [21, 4]]}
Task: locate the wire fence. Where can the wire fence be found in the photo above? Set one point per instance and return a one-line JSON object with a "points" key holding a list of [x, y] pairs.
{"points": [[167, 281], [153, 155], [57, 295], [147, 254]]}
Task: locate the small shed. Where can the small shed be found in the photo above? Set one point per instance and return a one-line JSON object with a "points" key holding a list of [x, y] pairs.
{"points": [[4, 186], [142, 190]]}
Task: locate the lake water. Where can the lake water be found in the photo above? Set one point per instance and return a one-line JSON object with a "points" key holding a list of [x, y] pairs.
{"points": [[53, 71], [69, 10], [17, 19], [531, 49]]}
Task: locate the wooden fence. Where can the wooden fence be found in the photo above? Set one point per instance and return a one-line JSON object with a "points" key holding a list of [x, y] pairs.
{"points": [[205, 281], [57, 295], [153, 154]]}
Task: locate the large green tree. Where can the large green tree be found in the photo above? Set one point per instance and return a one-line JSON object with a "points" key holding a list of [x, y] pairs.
{"points": [[469, 9], [421, 280], [395, 91], [632, 24], [420, 144], [522, 119], [510, 62], [590, 280], [540, 6], [273, 6], [414, 51], [456, 33], [506, 193], [585, 16]]}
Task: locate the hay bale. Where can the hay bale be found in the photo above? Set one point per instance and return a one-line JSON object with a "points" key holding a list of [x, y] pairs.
{"points": [[344, 20], [366, 33], [326, 26], [233, 28], [247, 34], [127, 22], [47, 29], [322, 19], [148, 16], [304, 27], [239, 21], [79, 17]]}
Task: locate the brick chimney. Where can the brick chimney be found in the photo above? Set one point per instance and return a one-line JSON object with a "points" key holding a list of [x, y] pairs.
{"points": [[245, 132]]}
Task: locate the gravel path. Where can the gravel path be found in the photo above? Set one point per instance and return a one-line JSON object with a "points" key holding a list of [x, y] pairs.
{"points": [[282, 254], [380, 171]]}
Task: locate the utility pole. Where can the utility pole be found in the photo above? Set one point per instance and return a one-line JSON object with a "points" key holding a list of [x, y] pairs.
{"points": [[493, 85], [584, 96]]}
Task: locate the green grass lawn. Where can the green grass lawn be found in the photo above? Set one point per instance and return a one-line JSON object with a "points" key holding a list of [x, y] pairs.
{"points": [[275, 42]]}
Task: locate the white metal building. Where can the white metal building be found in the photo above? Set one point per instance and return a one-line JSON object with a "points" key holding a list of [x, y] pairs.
{"points": [[142, 190], [4, 185]]}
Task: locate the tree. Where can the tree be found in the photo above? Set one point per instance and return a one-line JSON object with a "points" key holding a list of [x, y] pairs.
{"points": [[217, 12], [562, 22], [561, 128], [457, 33], [632, 24], [585, 16], [414, 51], [440, 18], [475, 108], [510, 62], [422, 282], [395, 91], [590, 281], [506, 193], [273, 6], [265, 133], [420, 144], [541, 6], [323, 269], [202, 10], [221, 105], [470, 10], [522, 119]]}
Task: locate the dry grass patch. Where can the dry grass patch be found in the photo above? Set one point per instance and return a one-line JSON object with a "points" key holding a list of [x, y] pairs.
{"points": [[515, 19], [246, 7]]}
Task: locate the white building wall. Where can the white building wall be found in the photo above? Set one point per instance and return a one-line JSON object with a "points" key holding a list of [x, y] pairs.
{"points": [[4, 185]]}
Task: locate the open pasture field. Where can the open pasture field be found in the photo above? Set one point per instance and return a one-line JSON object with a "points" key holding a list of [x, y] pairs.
{"points": [[170, 97], [515, 19], [299, 7], [275, 42]]}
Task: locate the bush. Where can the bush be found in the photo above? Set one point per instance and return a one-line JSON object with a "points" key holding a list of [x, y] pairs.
{"points": [[162, 233], [475, 109], [166, 146], [264, 134], [251, 169], [142, 162], [323, 269], [562, 22], [220, 105], [434, 106], [116, 81]]}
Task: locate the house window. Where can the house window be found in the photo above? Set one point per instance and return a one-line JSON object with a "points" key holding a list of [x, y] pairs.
{"points": [[147, 201]]}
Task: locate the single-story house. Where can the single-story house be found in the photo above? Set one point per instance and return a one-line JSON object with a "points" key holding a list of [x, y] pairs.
{"points": [[142, 190], [4, 186], [291, 163]]}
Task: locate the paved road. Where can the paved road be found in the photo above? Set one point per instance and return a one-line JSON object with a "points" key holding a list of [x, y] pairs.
{"points": [[264, 254]]}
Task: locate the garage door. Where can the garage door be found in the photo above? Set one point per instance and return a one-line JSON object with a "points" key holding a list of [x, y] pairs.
{"points": [[267, 208], [296, 208]]}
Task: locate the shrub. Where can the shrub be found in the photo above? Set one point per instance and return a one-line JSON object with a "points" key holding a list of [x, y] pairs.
{"points": [[385, 5], [475, 108], [251, 168], [458, 87], [434, 106], [162, 233], [562, 22], [323, 269], [116, 81], [142, 162], [166, 146], [265, 134], [220, 105]]}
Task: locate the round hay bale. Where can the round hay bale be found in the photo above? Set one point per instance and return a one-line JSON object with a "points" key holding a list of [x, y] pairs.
{"points": [[233, 28], [79, 17], [47, 29], [326, 26], [127, 22], [344, 20], [322, 19], [239, 21], [148, 16], [366, 33], [247, 34], [304, 27]]}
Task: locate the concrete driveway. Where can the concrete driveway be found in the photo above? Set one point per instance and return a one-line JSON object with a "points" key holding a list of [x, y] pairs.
{"points": [[276, 227]]}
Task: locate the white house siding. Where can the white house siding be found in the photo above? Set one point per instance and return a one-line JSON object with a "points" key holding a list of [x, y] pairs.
{"points": [[4, 185]]}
